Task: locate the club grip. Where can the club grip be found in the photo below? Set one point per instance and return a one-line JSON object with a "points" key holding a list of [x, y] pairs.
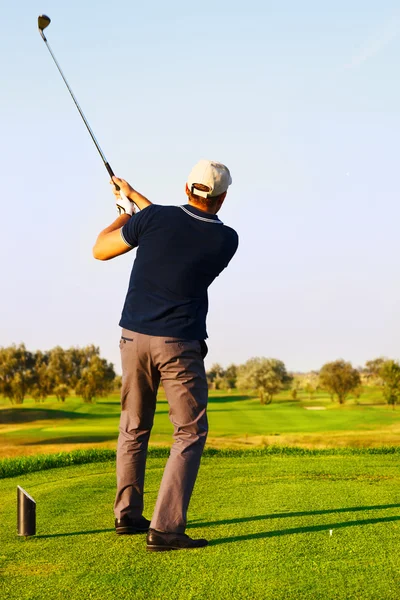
{"points": [[111, 174]]}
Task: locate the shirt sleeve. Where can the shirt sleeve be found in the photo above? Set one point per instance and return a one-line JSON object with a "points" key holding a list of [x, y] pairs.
{"points": [[133, 229], [232, 246]]}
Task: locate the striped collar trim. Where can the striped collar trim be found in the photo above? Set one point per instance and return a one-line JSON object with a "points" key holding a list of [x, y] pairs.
{"points": [[216, 220]]}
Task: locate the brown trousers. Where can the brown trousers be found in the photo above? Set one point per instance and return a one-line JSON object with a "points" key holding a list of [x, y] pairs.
{"points": [[179, 365]]}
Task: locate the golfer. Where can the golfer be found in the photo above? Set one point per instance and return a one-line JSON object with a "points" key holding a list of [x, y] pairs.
{"points": [[181, 250]]}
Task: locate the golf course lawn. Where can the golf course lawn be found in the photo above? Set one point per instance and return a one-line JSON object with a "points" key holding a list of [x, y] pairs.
{"points": [[236, 419], [268, 519]]}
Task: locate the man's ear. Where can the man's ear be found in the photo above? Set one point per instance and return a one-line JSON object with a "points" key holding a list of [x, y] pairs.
{"points": [[187, 190], [221, 200]]}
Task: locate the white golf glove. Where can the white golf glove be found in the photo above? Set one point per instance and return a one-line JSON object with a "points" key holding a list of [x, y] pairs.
{"points": [[124, 205]]}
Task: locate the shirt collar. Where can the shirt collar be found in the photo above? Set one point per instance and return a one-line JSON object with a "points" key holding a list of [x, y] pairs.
{"points": [[200, 213]]}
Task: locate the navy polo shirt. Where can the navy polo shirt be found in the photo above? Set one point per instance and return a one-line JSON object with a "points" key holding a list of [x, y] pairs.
{"points": [[181, 250]]}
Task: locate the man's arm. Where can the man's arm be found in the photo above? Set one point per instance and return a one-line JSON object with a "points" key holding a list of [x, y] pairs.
{"points": [[110, 243]]}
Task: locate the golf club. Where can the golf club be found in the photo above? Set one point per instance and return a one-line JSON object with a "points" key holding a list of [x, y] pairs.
{"points": [[43, 22]]}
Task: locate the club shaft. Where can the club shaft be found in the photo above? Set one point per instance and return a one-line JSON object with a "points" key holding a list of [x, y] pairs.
{"points": [[106, 164]]}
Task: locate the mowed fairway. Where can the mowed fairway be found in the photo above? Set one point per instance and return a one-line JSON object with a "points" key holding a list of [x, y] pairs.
{"points": [[280, 527], [236, 420]]}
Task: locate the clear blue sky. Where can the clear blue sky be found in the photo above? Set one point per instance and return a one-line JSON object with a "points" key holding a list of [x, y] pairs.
{"points": [[300, 99]]}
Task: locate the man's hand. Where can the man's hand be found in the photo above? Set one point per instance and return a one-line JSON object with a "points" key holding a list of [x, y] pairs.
{"points": [[134, 196], [123, 186], [124, 205]]}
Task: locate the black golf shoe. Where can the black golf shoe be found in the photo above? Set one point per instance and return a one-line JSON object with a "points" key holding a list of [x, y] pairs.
{"points": [[126, 525], [159, 541]]}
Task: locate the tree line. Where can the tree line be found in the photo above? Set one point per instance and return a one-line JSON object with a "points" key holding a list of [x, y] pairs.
{"points": [[268, 377], [82, 371], [58, 372]]}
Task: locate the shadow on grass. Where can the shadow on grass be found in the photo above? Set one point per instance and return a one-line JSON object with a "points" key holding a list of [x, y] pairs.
{"points": [[117, 403], [233, 398], [74, 439], [54, 535], [269, 534], [288, 514], [294, 530], [30, 415]]}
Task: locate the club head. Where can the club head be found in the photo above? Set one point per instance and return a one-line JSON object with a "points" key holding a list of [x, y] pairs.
{"points": [[43, 22]]}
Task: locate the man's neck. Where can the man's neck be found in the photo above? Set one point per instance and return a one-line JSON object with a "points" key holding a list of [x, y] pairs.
{"points": [[209, 209]]}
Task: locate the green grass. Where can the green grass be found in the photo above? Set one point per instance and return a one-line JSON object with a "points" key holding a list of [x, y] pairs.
{"points": [[21, 465], [267, 518], [267, 511], [236, 419]]}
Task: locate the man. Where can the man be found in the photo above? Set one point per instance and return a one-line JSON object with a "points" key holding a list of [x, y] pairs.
{"points": [[181, 250]]}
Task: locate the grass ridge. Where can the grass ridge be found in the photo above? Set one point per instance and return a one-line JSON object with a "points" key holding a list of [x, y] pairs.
{"points": [[12, 467]]}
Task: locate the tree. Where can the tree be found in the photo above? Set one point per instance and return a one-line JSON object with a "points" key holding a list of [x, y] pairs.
{"points": [[310, 384], [339, 379], [371, 371], [57, 371], [389, 372], [41, 385], [16, 372], [215, 376], [296, 384], [117, 384], [96, 378], [373, 367], [230, 377], [61, 391], [267, 376], [67, 368], [60, 371]]}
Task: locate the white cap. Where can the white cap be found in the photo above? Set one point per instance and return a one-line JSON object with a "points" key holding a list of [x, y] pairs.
{"points": [[212, 174]]}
